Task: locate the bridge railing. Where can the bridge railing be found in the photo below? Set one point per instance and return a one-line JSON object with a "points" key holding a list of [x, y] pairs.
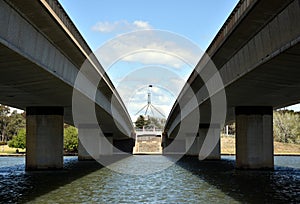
{"points": [[146, 131], [70, 26], [63, 16], [233, 19]]}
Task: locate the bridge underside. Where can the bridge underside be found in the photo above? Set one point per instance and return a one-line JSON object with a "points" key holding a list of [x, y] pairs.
{"points": [[41, 53], [258, 59], [275, 83]]}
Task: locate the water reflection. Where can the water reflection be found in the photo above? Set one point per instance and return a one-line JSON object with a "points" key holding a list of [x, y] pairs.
{"points": [[187, 181], [280, 185]]}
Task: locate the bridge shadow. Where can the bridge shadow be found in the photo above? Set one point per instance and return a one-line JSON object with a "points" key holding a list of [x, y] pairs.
{"points": [[247, 186], [18, 186], [278, 186]]}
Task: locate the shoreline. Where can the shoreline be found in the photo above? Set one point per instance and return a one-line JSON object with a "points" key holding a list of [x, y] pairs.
{"points": [[75, 154], [277, 154], [23, 155]]}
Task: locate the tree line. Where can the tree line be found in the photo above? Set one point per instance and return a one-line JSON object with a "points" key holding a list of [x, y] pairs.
{"points": [[149, 122], [286, 128], [11, 122], [13, 130]]}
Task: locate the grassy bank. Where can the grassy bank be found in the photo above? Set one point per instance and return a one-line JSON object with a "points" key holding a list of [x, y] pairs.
{"points": [[228, 147], [5, 149]]}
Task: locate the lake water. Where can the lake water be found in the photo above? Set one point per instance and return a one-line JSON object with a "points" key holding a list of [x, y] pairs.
{"points": [[186, 181]]}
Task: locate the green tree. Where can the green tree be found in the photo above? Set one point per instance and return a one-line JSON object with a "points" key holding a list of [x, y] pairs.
{"points": [[70, 139], [286, 126], [16, 122], [140, 122], [19, 140], [10, 123], [157, 123], [4, 120]]}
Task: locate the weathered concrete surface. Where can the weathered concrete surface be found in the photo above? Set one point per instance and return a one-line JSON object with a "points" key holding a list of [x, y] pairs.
{"points": [[211, 149], [254, 137], [176, 146], [89, 143], [93, 143], [83, 154], [44, 138]]}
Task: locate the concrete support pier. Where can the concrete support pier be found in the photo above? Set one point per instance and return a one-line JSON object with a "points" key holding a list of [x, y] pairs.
{"points": [[209, 135], [106, 145], [123, 146], [174, 147], [93, 143], [44, 138], [206, 144], [83, 155], [89, 142], [193, 144], [254, 137]]}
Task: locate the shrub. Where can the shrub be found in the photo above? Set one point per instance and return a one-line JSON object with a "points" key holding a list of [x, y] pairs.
{"points": [[70, 139]]}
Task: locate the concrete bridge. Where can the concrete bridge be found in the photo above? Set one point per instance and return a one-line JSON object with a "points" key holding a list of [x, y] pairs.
{"points": [[256, 54], [41, 53], [255, 69]]}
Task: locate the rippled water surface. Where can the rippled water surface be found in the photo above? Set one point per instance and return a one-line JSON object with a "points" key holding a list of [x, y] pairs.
{"points": [[187, 181]]}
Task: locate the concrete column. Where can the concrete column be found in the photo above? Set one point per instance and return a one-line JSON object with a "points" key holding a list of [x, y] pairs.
{"points": [[209, 136], [175, 146], [123, 146], [205, 144], [216, 152], [89, 142], [164, 140], [254, 137], [44, 138], [193, 144], [106, 145], [93, 143], [83, 155]]}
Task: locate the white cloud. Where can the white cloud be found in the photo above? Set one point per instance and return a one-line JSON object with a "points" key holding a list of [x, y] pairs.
{"points": [[120, 26], [141, 25], [135, 60], [150, 47], [152, 56]]}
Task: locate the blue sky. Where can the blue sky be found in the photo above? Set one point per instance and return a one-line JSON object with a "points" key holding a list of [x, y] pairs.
{"points": [[176, 34], [198, 20]]}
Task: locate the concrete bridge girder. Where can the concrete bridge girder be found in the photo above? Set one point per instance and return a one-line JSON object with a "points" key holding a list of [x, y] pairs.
{"points": [[257, 58], [46, 51]]}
